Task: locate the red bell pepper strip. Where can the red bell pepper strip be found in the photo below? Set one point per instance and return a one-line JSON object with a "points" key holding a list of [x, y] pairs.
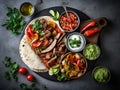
{"points": [[46, 42], [58, 30], [79, 64], [91, 24], [30, 30], [89, 33], [36, 44]]}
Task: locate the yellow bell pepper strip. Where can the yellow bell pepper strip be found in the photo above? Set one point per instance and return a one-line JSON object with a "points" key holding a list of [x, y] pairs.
{"points": [[51, 23]]}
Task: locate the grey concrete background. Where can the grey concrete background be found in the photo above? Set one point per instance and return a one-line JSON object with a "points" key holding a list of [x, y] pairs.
{"points": [[109, 41]]}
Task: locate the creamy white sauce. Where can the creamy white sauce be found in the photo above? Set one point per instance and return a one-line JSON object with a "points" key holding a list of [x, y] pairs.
{"points": [[78, 37]]}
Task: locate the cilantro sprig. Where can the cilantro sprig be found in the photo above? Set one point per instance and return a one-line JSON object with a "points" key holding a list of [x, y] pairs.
{"points": [[37, 26], [13, 67], [15, 21]]}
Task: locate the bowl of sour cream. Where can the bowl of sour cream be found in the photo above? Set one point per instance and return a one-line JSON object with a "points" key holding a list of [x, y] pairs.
{"points": [[75, 42]]}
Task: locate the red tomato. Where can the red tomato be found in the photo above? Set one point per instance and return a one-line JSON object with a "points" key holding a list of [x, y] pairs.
{"points": [[36, 44], [22, 70], [30, 77]]}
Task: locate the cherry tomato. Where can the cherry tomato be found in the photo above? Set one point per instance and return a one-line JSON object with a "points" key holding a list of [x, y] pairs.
{"points": [[30, 77], [22, 70]]}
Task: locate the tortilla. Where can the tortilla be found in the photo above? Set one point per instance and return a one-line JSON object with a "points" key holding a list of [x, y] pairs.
{"points": [[29, 57]]}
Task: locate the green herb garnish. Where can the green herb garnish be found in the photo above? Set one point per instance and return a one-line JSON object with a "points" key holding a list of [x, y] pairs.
{"points": [[7, 75], [74, 43], [13, 69], [38, 51], [44, 47], [7, 61], [55, 14], [15, 22], [28, 87], [23, 86], [37, 26]]}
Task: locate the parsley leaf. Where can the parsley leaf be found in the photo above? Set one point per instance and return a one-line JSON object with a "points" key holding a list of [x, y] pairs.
{"points": [[7, 61], [7, 75], [23, 86], [15, 21]]}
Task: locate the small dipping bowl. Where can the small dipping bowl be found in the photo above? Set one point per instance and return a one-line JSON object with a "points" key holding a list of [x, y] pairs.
{"points": [[69, 23], [91, 51], [101, 74], [27, 9], [75, 42]]}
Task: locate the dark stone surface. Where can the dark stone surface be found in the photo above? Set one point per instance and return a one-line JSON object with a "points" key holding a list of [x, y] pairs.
{"points": [[109, 42]]}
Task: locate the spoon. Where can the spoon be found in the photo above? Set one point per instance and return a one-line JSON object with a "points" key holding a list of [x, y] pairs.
{"points": [[64, 4]]}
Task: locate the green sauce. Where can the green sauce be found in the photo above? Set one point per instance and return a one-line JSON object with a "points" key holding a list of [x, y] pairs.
{"points": [[91, 51], [101, 74]]}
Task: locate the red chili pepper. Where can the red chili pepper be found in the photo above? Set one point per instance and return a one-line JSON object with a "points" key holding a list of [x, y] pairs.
{"points": [[89, 33], [91, 24]]}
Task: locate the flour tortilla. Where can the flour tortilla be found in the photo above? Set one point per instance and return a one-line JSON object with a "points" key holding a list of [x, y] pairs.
{"points": [[30, 58], [28, 55]]}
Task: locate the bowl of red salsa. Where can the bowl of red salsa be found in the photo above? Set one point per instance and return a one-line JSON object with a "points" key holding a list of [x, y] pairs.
{"points": [[69, 22]]}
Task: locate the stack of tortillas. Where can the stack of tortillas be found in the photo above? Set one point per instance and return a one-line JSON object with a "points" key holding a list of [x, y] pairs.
{"points": [[27, 54]]}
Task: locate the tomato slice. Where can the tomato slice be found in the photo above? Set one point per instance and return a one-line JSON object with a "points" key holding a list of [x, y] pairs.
{"points": [[36, 44]]}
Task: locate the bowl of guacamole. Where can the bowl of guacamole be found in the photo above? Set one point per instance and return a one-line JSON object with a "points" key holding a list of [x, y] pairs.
{"points": [[101, 74], [91, 51]]}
